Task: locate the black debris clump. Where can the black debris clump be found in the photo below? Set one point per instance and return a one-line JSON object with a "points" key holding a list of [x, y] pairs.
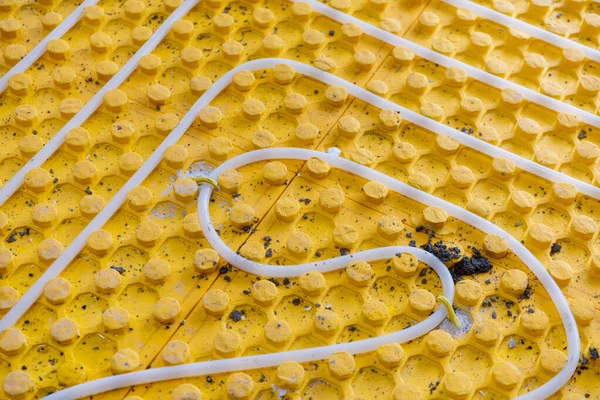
{"points": [[442, 251], [555, 248], [477, 264], [583, 364], [236, 315], [120, 270], [267, 241], [15, 235], [526, 294]]}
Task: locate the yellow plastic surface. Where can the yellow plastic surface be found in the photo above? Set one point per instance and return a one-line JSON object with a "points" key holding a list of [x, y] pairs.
{"points": [[118, 301], [25, 23], [509, 53], [576, 20]]}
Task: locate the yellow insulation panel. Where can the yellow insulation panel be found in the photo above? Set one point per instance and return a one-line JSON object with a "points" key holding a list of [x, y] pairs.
{"points": [[147, 291]]}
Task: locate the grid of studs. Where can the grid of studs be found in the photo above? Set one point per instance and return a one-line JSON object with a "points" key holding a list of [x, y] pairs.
{"points": [[108, 164], [575, 20], [238, 296], [58, 200], [568, 265], [562, 74], [559, 226], [392, 372], [108, 31], [24, 24], [109, 150], [211, 142], [393, 16], [324, 227], [244, 315], [484, 44], [40, 100], [516, 201], [583, 310], [134, 283], [216, 36], [262, 316], [556, 140]]}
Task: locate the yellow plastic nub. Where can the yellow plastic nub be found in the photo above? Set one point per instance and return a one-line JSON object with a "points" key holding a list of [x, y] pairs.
{"points": [[451, 314], [204, 179]]}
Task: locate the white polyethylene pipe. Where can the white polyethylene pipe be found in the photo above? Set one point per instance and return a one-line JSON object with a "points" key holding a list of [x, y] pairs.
{"points": [[188, 119], [448, 62], [275, 359], [557, 297], [306, 355], [92, 105], [37, 160], [113, 205], [41, 47], [524, 27]]}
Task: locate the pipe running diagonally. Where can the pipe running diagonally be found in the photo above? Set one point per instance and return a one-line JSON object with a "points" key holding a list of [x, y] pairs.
{"points": [[94, 103], [41, 47], [438, 58], [531, 30]]}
